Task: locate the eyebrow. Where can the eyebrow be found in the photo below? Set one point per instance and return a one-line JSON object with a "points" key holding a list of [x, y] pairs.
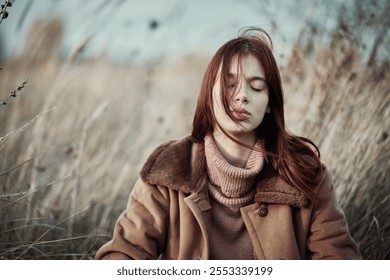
{"points": [[251, 79]]}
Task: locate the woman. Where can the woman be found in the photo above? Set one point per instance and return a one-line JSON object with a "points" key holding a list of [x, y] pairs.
{"points": [[241, 186]]}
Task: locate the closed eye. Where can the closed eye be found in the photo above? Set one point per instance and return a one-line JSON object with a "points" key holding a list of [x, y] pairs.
{"points": [[232, 83], [257, 85], [257, 89]]}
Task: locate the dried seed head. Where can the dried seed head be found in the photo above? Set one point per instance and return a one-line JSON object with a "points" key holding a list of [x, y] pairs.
{"points": [[5, 15], [14, 92], [6, 4]]}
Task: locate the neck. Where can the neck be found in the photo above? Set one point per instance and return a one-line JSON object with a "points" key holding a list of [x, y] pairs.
{"points": [[233, 152]]}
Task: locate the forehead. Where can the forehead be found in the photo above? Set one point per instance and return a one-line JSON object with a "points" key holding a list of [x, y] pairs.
{"points": [[248, 66]]}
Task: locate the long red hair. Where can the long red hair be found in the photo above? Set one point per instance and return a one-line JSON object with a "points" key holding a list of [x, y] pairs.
{"points": [[290, 155]]}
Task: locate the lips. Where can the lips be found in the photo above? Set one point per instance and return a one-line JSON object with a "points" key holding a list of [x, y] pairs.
{"points": [[242, 113]]}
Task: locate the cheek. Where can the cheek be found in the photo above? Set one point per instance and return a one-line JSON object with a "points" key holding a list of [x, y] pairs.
{"points": [[261, 106], [217, 102], [262, 103], [220, 114], [217, 106]]}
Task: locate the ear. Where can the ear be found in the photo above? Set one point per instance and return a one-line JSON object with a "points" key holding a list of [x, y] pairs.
{"points": [[268, 109]]}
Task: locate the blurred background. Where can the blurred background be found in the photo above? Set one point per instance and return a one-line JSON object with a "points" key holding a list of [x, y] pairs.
{"points": [[99, 84]]}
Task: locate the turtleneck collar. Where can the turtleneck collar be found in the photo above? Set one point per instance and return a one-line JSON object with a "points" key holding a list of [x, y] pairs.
{"points": [[230, 185]]}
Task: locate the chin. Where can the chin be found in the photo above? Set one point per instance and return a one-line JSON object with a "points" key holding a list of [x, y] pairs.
{"points": [[241, 131]]}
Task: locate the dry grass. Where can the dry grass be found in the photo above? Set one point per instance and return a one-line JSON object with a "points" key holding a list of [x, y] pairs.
{"points": [[82, 130], [98, 125], [345, 109]]}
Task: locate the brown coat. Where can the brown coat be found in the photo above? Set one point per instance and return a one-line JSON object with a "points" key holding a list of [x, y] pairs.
{"points": [[164, 214]]}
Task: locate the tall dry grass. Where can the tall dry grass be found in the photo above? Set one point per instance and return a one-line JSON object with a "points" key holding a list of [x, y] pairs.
{"points": [[78, 136], [345, 109], [76, 140]]}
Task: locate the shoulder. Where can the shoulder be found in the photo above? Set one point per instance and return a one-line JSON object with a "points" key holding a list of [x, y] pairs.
{"points": [[171, 164], [326, 183], [168, 152]]}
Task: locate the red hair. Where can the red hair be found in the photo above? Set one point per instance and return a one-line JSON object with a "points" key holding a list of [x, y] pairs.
{"points": [[290, 155]]}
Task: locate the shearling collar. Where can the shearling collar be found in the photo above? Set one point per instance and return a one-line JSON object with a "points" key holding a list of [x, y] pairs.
{"points": [[181, 165]]}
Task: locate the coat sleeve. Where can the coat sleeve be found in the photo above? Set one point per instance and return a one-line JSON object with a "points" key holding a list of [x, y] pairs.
{"points": [[329, 236], [140, 231]]}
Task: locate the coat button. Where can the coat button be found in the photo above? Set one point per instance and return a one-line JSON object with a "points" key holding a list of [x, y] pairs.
{"points": [[262, 211]]}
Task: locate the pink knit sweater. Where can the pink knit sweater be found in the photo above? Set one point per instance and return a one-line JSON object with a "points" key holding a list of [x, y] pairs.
{"points": [[230, 189]]}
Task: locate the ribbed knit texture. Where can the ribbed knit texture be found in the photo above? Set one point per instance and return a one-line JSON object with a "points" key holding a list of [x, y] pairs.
{"points": [[230, 185], [230, 189], [228, 237]]}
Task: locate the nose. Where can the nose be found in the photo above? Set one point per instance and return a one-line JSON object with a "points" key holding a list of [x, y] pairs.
{"points": [[242, 95]]}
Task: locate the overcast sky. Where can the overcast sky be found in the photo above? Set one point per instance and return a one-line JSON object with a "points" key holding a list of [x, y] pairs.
{"points": [[141, 30]]}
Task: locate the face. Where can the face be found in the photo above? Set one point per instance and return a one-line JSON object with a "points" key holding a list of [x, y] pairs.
{"points": [[249, 97]]}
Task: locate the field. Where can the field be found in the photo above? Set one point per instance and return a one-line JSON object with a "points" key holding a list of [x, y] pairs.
{"points": [[73, 140]]}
